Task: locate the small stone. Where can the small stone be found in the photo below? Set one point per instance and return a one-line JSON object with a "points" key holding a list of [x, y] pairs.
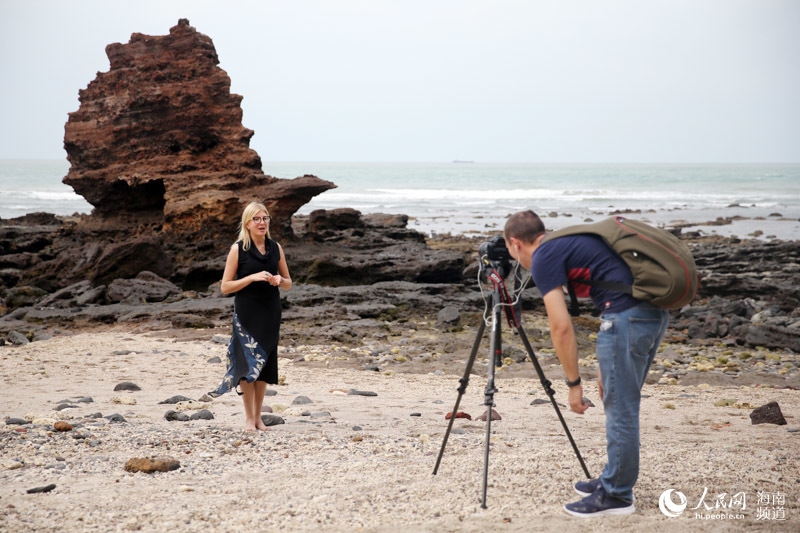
{"points": [[176, 416], [204, 398], [495, 416], [458, 431], [460, 414], [176, 399], [46, 488], [449, 316], [17, 338], [356, 428], [302, 400], [374, 368], [270, 392], [321, 414], [354, 392], [539, 401], [214, 360], [768, 414], [357, 438], [16, 422], [62, 406], [94, 415], [588, 401], [272, 420], [116, 417], [668, 406], [221, 339], [186, 488], [63, 426], [203, 414], [415, 414], [85, 399], [122, 401], [266, 409], [438, 373], [148, 465], [305, 413], [121, 352], [127, 385]]}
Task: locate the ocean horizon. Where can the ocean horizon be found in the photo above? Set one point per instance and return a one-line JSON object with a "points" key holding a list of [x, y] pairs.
{"points": [[473, 198]]}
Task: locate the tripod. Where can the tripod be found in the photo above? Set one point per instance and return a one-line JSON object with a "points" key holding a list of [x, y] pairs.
{"points": [[499, 300]]}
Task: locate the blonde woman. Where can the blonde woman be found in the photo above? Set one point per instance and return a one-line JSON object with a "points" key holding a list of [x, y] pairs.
{"points": [[254, 270]]}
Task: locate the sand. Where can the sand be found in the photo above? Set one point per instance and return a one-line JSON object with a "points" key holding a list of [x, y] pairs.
{"points": [[323, 473]]}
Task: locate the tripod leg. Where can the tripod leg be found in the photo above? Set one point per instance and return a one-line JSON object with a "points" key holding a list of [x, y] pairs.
{"points": [[550, 392], [495, 356], [461, 390]]}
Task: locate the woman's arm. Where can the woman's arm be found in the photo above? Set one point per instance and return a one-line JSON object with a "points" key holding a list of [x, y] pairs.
{"points": [[282, 279], [229, 284]]}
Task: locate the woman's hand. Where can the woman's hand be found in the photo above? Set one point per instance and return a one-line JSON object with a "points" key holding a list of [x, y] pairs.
{"points": [[261, 276], [275, 280]]}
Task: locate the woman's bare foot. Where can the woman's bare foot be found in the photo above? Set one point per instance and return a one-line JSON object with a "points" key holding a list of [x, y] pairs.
{"points": [[262, 427], [250, 428]]}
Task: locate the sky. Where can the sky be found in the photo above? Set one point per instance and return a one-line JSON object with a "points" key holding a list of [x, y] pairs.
{"points": [[563, 81]]}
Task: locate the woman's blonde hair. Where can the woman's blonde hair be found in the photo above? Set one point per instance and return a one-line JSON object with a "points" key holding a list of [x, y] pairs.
{"points": [[248, 213]]}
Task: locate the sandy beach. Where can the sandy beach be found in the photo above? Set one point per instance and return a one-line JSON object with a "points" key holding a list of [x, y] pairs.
{"points": [[358, 463]]}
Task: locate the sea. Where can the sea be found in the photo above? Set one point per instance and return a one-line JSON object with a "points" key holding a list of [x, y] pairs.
{"points": [[475, 198]]}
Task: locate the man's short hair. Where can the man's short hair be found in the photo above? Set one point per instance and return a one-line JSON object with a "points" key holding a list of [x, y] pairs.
{"points": [[524, 225]]}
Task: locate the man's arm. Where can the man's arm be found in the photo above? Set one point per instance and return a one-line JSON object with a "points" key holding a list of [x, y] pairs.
{"points": [[563, 336]]}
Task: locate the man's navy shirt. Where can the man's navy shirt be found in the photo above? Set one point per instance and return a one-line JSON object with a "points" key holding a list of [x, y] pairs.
{"points": [[556, 262]]}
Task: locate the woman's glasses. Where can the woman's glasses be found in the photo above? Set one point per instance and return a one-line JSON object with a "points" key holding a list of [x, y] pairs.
{"points": [[259, 220]]}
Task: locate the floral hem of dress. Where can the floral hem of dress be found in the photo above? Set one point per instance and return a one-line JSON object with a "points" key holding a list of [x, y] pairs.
{"points": [[255, 357]]}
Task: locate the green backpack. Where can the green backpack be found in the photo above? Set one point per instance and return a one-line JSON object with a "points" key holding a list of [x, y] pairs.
{"points": [[663, 268]]}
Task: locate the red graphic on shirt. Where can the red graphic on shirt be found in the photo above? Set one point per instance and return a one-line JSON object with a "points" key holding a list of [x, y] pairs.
{"points": [[581, 289]]}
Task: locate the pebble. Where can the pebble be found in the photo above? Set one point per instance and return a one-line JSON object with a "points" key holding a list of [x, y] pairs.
{"points": [[176, 416], [63, 406], [415, 414], [176, 399], [16, 422], [272, 420], [221, 339], [127, 385], [356, 428], [46, 488], [302, 400], [321, 414], [149, 465], [203, 414], [495, 416], [214, 360], [116, 417], [270, 392], [63, 426], [121, 401], [85, 399], [354, 392]]}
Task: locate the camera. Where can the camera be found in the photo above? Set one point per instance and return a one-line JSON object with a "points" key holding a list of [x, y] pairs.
{"points": [[494, 253]]}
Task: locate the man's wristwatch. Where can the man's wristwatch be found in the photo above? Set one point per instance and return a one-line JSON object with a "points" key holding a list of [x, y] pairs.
{"points": [[575, 383]]}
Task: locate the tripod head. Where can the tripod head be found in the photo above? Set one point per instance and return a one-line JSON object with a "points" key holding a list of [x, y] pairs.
{"points": [[493, 256]]}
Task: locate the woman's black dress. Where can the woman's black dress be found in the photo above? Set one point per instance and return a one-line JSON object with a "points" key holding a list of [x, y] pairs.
{"points": [[253, 349]]}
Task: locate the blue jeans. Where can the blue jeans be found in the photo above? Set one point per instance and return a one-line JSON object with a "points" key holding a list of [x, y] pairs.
{"points": [[626, 344]]}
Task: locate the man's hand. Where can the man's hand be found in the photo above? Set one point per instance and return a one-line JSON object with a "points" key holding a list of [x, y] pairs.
{"points": [[576, 400]]}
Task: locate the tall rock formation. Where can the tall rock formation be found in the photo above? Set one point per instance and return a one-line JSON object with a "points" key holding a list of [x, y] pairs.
{"points": [[158, 144]]}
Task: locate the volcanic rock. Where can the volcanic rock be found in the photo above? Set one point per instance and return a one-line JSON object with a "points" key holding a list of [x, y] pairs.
{"points": [[159, 139], [768, 414], [148, 465]]}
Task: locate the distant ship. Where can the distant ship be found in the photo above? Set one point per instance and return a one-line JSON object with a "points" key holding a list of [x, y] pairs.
{"points": [[461, 161]]}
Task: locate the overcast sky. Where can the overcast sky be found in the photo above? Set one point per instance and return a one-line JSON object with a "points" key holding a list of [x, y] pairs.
{"points": [[437, 80]]}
